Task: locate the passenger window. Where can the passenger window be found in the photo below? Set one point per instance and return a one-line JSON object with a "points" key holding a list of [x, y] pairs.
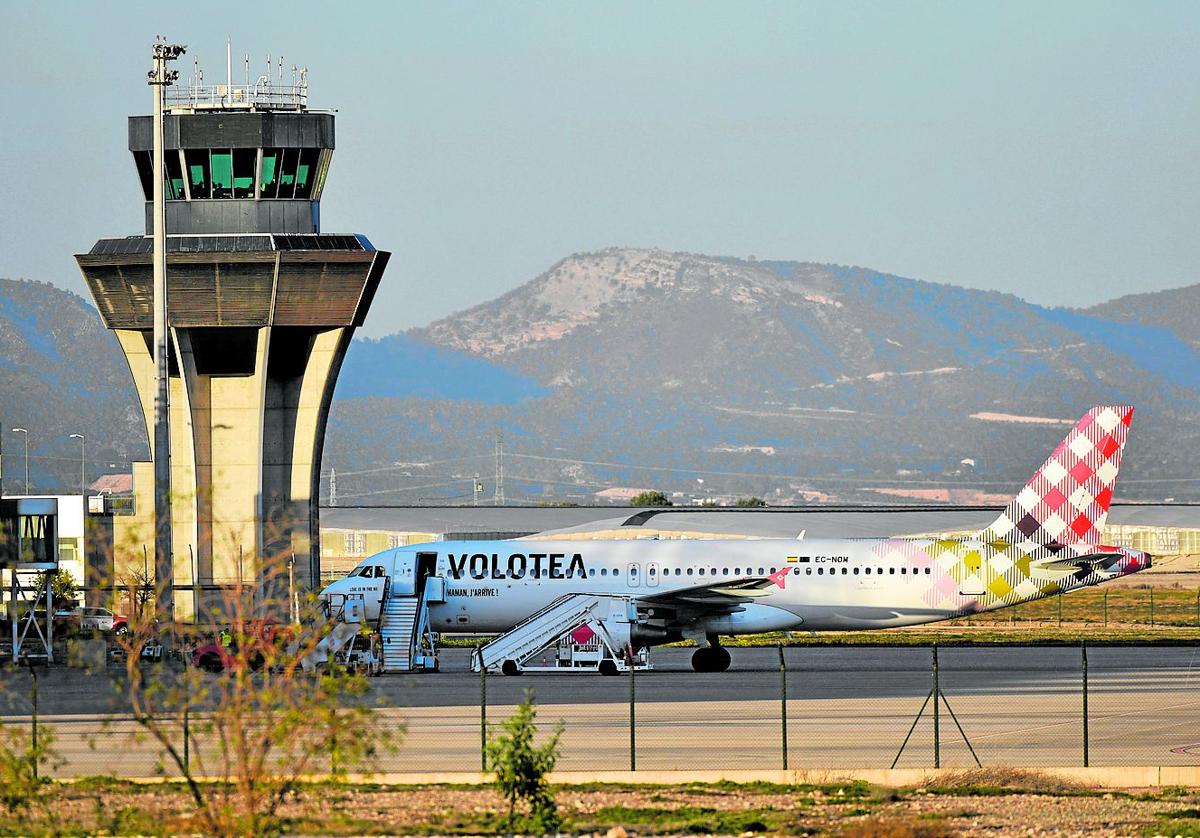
{"points": [[616, 571], [591, 571], [604, 571], [689, 571], [724, 571], [846, 570], [761, 572], [856, 571], [868, 571], [701, 571], [891, 571], [808, 571], [928, 571], [737, 571]]}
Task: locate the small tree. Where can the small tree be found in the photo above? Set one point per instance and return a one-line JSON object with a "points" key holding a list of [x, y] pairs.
{"points": [[62, 585], [21, 785], [520, 768], [753, 502], [649, 498], [264, 725]]}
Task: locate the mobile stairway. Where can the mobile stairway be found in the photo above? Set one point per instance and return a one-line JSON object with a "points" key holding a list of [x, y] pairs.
{"points": [[409, 644], [574, 633]]}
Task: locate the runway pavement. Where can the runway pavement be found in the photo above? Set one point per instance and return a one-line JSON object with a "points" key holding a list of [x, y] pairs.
{"points": [[846, 708]]}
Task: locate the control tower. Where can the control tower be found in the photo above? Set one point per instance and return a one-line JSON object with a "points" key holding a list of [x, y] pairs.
{"points": [[261, 308]]}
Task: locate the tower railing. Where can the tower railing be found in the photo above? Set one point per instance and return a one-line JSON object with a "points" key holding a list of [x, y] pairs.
{"points": [[262, 94]]}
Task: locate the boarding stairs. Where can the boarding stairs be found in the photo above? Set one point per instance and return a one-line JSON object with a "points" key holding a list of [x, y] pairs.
{"points": [[408, 642], [574, 633]]}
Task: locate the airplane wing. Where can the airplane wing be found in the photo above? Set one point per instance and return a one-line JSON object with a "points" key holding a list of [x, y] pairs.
{"points": [[720, 595]]}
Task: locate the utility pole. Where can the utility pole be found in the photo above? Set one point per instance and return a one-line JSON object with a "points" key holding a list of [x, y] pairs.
{"points": [[164, 571], [499, 499]]}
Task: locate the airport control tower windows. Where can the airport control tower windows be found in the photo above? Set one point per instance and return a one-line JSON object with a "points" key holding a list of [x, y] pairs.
{"points": [[306, 171], [199, 178], [222, 173], [288, 161], [175, 191], [173, 176], [270, 172], [244, 161]]}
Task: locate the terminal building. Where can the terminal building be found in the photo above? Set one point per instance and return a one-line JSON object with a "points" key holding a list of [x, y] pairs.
{"points": [[262, 304]]}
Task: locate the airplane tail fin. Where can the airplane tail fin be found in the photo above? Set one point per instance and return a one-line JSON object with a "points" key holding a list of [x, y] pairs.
{"points": [[1067, 499]]}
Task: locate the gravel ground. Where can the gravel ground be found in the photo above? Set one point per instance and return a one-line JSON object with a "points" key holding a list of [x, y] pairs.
{"points": [[852, 813]]}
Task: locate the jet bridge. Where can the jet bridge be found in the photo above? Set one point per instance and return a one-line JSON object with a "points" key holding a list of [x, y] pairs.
{"points": [[574, 633]]}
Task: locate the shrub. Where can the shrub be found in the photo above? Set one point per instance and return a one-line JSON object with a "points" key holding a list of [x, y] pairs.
{"points": [[520, 769]]}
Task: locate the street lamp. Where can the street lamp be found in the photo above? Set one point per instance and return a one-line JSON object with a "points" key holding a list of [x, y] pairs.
{"points": [[26, 432], [82, 462]]}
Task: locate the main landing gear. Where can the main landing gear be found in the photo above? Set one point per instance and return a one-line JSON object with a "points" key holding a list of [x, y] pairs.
{"points": [[711, 658]]}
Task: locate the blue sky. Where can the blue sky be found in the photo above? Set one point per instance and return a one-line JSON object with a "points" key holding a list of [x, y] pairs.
{"points": [[1044, 149]]}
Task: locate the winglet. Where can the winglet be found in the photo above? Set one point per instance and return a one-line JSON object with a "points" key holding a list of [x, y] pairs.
{"points": [[1067, 499]]}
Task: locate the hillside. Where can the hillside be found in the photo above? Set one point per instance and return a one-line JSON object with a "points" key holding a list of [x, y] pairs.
{"points": [[1178, 309], [706, 376], [61, 372], [797, 376]]}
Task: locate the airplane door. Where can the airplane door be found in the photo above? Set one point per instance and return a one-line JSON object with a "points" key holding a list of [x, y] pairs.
{"points": [[651, 574], [404, 578], [633, 575]]}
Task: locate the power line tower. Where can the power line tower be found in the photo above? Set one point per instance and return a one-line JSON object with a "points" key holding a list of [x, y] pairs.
{"points": [[499, 499]]}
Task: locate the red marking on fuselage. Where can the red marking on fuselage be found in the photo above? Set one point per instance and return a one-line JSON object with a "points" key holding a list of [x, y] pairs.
{"points": [[778, 576]]}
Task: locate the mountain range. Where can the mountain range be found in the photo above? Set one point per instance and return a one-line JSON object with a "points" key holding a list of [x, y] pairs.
{"points": [[706, 377]]}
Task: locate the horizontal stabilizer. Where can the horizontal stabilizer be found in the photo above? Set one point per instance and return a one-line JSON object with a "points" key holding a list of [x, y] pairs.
{"points": [[1096, 561]]}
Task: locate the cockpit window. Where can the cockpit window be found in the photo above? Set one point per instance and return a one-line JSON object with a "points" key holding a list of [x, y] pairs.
{"points": [[378, 572]]}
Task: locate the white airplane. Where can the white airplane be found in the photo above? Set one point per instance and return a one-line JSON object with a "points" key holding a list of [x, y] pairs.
{"points": [[1045, 542]]}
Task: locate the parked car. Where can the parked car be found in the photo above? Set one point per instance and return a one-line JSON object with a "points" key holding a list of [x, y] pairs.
{"points": [[101, 619]]}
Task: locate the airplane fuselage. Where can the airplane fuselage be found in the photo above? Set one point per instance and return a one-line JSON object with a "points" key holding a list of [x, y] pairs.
{"points": [[816, 584]]}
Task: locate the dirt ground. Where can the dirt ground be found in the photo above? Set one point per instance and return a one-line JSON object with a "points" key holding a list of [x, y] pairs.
{"points": [[1011, 804]]}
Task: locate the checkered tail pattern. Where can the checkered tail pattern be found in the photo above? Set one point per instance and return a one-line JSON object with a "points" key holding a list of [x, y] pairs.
{"points": [[1067, 499]]}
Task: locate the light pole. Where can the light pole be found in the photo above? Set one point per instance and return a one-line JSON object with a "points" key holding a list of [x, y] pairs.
{"points": [[82, 461], [159, 79], [26, 432]]}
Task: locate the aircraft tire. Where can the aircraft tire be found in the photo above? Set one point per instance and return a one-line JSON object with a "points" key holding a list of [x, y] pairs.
{"points": [[608, 667], [509, 667]]}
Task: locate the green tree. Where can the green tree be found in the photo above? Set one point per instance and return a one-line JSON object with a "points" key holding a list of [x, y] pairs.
{"points": [[63, 585], [649, 498], [754, 502], [520, 769]]}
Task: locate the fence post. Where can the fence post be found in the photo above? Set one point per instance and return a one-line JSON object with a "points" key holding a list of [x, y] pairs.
{"points": [[632, 713], [33, 700], [937, 692], [1106, 609], [1151, 607], [1060, 609], [187, 712], [483, 766], [783, 716], [1083, 659]]}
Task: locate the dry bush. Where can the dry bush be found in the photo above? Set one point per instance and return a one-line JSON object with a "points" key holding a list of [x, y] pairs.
{"points": [[262, 725]]}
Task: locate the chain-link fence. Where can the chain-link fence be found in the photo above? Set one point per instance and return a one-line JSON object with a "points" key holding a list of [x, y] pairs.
{"points": [[796, 707]]}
